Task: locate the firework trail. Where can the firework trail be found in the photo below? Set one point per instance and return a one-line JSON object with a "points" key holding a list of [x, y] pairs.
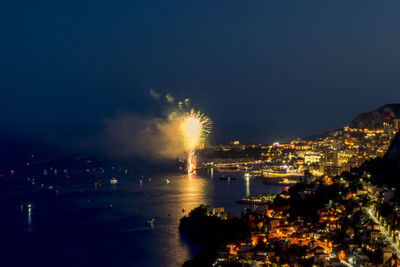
{"points": [[195, 128]]}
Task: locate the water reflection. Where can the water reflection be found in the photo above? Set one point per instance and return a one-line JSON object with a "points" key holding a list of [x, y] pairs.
{"points": [[194, 191], [167, 203], [115, 216], [247, 183], [189, 191], [29, 220]]}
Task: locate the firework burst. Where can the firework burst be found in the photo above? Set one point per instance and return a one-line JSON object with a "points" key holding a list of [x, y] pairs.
{"points": [[195, 128]]}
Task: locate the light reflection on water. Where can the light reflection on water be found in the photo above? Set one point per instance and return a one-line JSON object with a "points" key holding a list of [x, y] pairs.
{"points": [[167, 203], [29, 220], [247, 183], [187, 193], [107, 226]]}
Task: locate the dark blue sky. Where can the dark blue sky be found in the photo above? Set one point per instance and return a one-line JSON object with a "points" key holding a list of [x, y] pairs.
{"points": [[260, 69]]}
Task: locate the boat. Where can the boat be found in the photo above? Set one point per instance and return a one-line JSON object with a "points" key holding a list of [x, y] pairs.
{"points": [[167, 181], [150, 222], [113, 180]]}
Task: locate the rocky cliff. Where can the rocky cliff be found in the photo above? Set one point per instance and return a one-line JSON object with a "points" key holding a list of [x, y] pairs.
{"points": [[375, 118]]}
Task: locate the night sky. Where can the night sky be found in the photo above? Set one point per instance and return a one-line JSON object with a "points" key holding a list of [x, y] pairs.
{"points": [[263, 70]]}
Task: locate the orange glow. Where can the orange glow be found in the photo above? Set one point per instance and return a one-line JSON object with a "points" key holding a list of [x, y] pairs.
{"points": [[342, 256]]}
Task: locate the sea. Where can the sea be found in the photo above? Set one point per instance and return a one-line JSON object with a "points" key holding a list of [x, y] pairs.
{"points": [[72, 222]]}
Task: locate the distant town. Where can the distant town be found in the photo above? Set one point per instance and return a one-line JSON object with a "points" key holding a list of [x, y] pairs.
{"points": [[342, 209], [337, 151]]}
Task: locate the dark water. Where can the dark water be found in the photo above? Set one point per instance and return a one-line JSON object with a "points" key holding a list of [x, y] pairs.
{"points": [[84, 226]]}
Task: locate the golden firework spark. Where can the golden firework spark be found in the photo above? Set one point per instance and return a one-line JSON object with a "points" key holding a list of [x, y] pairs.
{"points": [[195, 128]]}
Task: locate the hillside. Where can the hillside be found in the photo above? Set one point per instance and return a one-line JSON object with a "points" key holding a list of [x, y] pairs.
{"points": [[375, 118]]}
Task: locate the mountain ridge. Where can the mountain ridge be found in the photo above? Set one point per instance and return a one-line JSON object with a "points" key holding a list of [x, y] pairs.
{"points": [[375, 118]]}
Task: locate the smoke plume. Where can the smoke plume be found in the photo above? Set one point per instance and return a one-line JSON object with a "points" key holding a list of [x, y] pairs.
{"points": [[169, 98], [154, 94], [131, 136]]}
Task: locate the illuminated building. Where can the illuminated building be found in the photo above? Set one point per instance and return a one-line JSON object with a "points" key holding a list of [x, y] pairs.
{"points": [[311, 156], [396, 123]]}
